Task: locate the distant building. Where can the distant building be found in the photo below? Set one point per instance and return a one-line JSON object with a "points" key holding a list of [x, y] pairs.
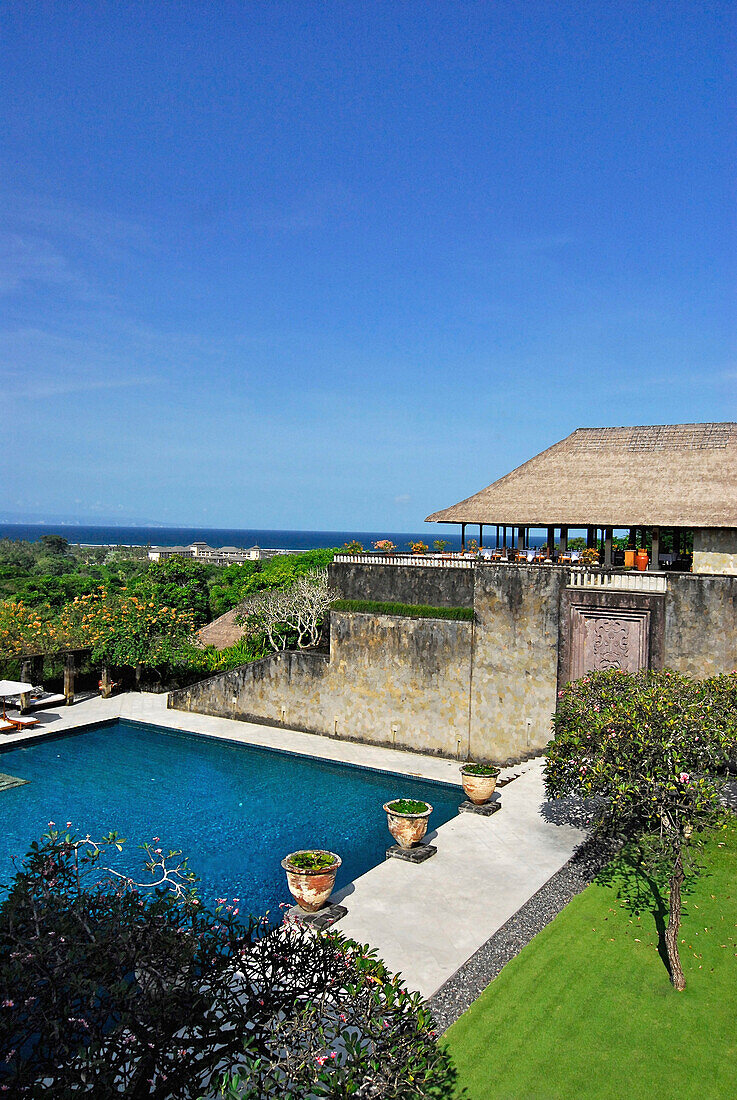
{"points": [[223, 555]]}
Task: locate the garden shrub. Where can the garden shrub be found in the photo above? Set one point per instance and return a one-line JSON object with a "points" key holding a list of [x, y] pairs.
{"points": [[115, 989]]}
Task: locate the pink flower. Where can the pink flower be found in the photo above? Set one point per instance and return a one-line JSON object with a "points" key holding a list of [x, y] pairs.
{"points": [[683, 777]]}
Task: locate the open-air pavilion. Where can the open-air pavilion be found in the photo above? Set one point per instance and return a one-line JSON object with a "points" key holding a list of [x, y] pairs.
{"points": [[680, 478]]}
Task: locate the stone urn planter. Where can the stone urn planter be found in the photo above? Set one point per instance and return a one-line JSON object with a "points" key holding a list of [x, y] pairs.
{"points": [[407, 820], [311, 877], [479, 782]]}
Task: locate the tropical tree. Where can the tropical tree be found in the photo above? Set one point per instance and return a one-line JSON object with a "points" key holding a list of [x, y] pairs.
{"points": [[130, 629], [181, 583], [653, 747]]}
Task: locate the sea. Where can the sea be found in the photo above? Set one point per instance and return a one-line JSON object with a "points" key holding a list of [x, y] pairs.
{"points": [[223, 536]]}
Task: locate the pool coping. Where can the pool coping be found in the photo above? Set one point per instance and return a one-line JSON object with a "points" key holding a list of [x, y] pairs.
{"points": [[104, 723], [150, 709]]}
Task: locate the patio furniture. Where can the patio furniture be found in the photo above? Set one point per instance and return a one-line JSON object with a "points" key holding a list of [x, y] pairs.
{"points": [[22, 723], [6, 727], [45, 699]]}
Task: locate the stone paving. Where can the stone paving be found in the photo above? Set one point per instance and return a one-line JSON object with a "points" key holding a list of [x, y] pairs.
{"points": [[424, 920]]}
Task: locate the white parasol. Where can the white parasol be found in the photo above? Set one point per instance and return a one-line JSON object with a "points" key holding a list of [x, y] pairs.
{"points": [[12, 687]]}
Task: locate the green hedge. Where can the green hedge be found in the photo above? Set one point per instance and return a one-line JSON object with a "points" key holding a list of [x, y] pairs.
{"points": [[411, 610]]}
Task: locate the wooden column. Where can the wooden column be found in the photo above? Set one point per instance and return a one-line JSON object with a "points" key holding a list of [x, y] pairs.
{"points": [[463, 538], [655, 559], [551, 542], [105, 682], [504, 544], [37, 670], [26, 674], [563, 539], [590, 538], [677, 541], [520, 538], [608, 540], [497, 536], [481, 536], [632, 539], [69, 669]]}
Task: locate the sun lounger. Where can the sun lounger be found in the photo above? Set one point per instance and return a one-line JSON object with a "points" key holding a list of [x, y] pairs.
{"points": [[6, 727], [22, 723], [46, 701]]}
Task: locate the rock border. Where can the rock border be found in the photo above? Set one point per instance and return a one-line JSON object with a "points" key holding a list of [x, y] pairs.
{"points": [[460, 991]]}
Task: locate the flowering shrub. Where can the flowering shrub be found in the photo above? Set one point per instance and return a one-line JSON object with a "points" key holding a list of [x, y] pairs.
{"points": [[652, 745], [385, 546], [26, 629], [353, 547], [418, 547], [115, 989]]}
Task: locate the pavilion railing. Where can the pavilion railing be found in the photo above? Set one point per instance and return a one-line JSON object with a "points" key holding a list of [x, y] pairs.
{"points": [[580, 576]]}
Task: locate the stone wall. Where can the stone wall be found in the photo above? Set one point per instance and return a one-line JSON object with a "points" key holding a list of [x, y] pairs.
{"points": [[484, 689], [283, 689], [389, 680], [715, 550], [515, 659], [700, 637], [412, 584]]}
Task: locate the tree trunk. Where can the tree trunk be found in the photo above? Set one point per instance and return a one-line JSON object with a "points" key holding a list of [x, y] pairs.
{"points": [[139, 671], [674, 923]]}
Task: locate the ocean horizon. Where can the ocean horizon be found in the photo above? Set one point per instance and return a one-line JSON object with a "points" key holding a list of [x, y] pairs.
{"points": [[267, 539]]}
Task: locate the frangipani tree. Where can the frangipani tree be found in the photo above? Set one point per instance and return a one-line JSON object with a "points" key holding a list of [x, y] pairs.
{"points": [[292, 615], [653, 746]]}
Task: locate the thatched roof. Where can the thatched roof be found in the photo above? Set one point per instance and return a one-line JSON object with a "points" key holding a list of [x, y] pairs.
{"points": [[223, 632], [671, 475]]}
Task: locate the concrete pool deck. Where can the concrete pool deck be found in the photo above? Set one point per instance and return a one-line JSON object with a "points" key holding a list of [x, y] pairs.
{"points": [[424, 920]]}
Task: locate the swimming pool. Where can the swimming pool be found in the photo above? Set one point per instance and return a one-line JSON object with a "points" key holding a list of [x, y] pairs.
{"points": [[235, 810]]}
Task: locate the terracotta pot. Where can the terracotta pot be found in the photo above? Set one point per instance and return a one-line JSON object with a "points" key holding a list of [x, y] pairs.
{"points": [[641, 560], [478, 788], [311, 888], [407, 829]]}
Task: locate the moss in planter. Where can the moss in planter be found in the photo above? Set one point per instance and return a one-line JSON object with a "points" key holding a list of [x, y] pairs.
{"points": [[408, 806], [480, 769], [312, 861]]}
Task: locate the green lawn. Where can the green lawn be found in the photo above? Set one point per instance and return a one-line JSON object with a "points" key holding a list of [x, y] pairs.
{"points": [[587, 1009]]}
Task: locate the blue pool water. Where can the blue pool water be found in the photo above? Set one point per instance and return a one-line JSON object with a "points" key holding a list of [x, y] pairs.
{"points": [[234, 810]]}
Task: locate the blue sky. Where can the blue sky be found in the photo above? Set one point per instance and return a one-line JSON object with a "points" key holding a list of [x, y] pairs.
{"points": [[333, 265]]}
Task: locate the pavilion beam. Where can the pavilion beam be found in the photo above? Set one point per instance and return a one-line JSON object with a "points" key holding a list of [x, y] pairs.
{"points": [[608, 542], [655, 560]]}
